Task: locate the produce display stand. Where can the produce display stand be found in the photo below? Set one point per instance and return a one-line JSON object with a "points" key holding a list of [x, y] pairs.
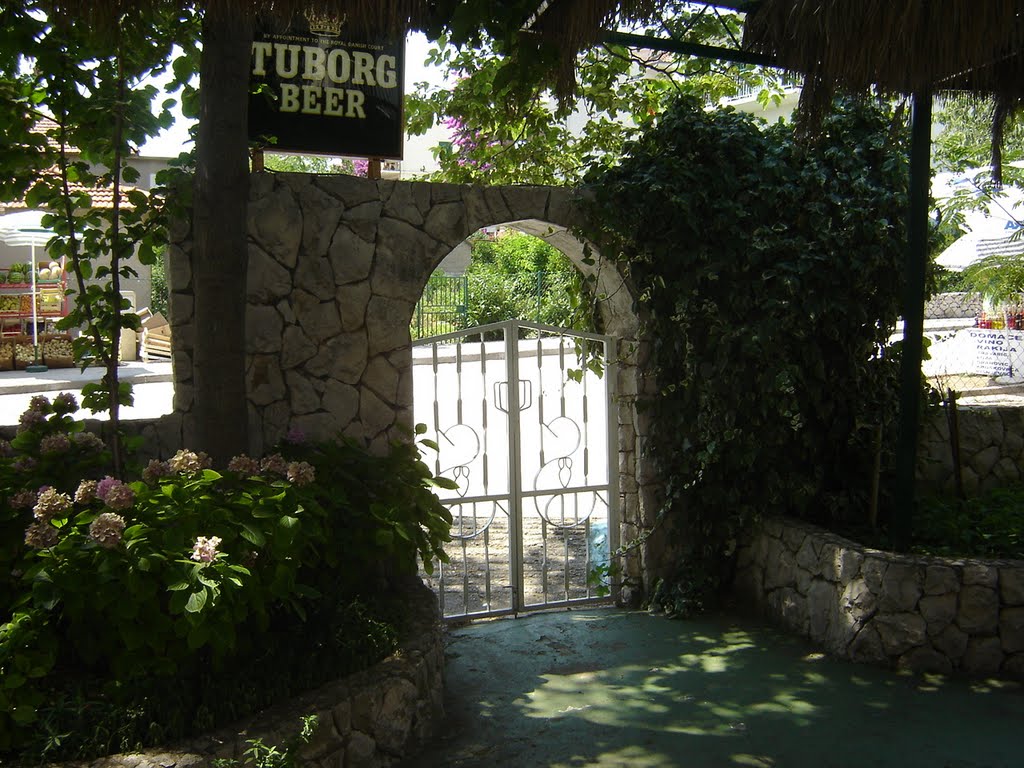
{"points": [[30, 294]]}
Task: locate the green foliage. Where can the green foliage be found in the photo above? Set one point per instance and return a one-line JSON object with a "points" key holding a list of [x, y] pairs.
{"points": [[261, 755], [768, 271], [77, 104], [506, 128], [159, 293], [517, 276], [990, 525], [118, 591]]}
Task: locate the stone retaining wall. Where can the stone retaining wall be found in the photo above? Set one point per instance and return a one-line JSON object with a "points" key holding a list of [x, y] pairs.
{"points": [[371, 719], [991, 449], [927, 614]]}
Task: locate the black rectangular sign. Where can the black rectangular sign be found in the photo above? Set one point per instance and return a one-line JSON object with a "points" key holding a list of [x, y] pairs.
{"points": [[317, 91]]}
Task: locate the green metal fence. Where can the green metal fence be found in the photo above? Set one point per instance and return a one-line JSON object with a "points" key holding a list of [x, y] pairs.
{"points": [[442, 308]]}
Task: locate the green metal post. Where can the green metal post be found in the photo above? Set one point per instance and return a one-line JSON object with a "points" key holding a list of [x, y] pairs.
{"points": [[913, 318]]}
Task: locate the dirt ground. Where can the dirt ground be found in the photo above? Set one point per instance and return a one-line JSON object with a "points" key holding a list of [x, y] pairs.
{"points": [[556, 562]]}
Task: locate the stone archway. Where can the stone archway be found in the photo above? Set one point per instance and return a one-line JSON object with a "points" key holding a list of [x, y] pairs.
{"points": [[336, 266]]}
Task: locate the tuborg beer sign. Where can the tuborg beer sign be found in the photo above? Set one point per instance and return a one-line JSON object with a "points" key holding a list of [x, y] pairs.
{"points": [[315, 90]]}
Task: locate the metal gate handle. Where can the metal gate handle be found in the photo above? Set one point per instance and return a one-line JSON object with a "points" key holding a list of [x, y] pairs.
{"points": [[525, 395]]}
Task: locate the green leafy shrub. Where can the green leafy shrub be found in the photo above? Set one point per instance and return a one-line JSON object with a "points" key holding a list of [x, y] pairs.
{"points": [[768, 271], [518, 276], [190, 596]]}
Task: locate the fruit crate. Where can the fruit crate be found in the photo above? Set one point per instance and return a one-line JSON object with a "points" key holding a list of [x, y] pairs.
{"points": [[56, 351]]}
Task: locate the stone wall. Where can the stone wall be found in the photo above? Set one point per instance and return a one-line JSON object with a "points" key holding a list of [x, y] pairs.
{"points": [[921, 613], [336, 266], [991, 449], [372, 719]]}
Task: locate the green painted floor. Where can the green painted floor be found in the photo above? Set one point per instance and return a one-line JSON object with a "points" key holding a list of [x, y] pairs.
{"points": [[608, 687]]}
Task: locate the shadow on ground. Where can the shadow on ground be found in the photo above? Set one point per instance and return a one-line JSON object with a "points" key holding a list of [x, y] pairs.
{"points": [[606, 687]]}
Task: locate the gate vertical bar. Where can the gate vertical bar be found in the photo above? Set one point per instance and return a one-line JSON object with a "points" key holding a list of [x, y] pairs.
{"points": [[514, 466]]}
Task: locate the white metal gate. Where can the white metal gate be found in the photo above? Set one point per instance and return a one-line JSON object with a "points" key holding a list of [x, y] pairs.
{"points": [[522, 416]]}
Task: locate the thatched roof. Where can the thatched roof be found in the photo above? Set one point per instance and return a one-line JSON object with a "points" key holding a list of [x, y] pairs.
{"points": [[900, 45]]}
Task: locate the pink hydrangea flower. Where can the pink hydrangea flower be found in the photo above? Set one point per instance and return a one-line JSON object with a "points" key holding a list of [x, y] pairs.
{"points": [[244, 465], [51, 505], [301, 473], [107, 530], [205, 549], [41, 536], [86, 492], [274, 464], [155, 471], [114, 493]]}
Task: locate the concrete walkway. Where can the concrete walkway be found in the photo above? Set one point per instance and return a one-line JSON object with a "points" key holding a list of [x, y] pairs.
{"points": [[152, 383], [607, 687]]}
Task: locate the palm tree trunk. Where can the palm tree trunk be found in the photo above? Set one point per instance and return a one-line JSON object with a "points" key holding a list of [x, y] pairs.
{"points": [[219, 256]]}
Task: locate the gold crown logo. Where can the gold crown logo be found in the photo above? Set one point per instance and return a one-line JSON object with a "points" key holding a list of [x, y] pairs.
{"points": [[323, 24]]}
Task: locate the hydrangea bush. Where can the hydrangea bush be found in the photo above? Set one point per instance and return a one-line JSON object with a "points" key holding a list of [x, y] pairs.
{"points": [[136, 580]]}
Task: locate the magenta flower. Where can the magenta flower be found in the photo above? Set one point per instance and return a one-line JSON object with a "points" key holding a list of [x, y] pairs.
{"points": [[114, 493]]}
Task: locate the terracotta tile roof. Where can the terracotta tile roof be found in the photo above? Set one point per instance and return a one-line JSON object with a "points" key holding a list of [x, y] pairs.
{"points": [[102, 197]]}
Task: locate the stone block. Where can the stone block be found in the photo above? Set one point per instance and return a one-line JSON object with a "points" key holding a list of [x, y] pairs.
{"points": [[275, 224], [400, 202], [807, 557], [925, 659], [866, 647], [780, 567], [266, 279], [374, 413], [301, 394], [951, 641], [179, 269], [901, 587], [403, 261], [342, 717], [319, 320], [446, 223], [1011, 629], [394, 721], [899, 632], [1013, 667], [387, 324], [983, 461], [264, 330], [341, 401], [874, 572], [314, 275], [351, 256], [1011, 584], [821, 608], [940, 579], [264, 381], [793, 536], [790, 609], [352, 300], [938, 610], [984, 656], [980, 574], [296, 347], [360, 751], [857, 603], [978, 613]]}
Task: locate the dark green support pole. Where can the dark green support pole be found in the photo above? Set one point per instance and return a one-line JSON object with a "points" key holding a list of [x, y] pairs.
{"points": [[913, 318]]}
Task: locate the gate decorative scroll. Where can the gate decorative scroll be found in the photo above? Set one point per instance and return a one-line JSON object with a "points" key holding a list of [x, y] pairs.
{"points": [[523, 426]]}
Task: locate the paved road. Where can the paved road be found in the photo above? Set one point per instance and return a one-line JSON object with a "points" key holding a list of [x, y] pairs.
{"points": [[607, 687]]}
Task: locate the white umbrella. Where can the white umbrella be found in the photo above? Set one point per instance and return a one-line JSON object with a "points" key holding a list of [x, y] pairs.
{"points": [[989, 229], [24, 228]]}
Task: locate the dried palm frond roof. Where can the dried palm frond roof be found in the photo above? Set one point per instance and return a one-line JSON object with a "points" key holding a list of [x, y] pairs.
{"points": [[567, 26], [899, 45]]}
